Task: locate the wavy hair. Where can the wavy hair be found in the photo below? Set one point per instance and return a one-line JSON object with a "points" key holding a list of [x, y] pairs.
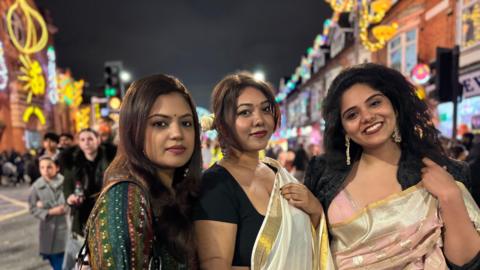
{"points": [[174, 226], [419, 136]]}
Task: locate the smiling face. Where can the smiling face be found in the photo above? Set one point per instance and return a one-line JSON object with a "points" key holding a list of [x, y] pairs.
{"points": [[254, 123], [368, 116], [170, 133]]}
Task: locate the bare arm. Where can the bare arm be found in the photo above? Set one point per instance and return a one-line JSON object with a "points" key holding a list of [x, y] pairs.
{"points": [[461, 239], [215, 244]]}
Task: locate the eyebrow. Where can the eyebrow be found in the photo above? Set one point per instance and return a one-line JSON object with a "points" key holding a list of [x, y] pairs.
{"points": [[251, 105], [168, 116], [367, 100]]}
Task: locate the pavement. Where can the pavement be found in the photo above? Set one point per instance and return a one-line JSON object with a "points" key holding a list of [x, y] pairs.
{"points": [[18, 231]]}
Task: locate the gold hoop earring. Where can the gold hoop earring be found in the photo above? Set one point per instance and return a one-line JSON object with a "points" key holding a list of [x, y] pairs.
{"points": [[396, 136], [347, 150]]}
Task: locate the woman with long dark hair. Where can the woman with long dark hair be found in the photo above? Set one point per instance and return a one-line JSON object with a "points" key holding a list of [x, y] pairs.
{"points": [[143, 218], [393, 199]]}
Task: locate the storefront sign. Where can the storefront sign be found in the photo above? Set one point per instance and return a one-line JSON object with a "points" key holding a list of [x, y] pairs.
{"points": [[471, 84]]}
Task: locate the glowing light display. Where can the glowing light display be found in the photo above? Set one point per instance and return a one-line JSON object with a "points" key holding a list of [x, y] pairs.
{"points": [[32, 75], [69, 90], [82, 118], [421, 74], [33, 110], [52, 76], [33, 41], [3, 70]]}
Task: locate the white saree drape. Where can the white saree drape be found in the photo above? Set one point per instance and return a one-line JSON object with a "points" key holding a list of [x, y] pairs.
{"points": [[287, 239]]}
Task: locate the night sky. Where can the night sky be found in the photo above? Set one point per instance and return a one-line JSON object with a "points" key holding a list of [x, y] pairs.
{"points": [[197, 41]]}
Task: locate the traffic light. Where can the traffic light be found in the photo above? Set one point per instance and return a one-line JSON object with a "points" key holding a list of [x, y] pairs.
{"points": [[446, 77], [113, 84]]}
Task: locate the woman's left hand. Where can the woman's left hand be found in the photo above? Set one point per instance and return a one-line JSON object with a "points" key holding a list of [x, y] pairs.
{"points": [[439, 182], [300, 196]]}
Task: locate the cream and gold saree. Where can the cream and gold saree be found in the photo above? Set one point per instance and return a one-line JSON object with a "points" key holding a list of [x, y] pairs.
{"points": [[286, 239], [401, 232]]}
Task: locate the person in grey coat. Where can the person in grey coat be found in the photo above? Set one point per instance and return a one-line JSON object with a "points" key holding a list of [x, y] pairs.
{"points": [[47, 203]]}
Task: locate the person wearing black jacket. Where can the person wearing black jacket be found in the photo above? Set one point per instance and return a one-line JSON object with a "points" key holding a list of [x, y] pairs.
{"points": [[83, 167]]}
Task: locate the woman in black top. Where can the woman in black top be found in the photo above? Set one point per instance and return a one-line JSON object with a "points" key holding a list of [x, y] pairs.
{"points": [[236, 191]]}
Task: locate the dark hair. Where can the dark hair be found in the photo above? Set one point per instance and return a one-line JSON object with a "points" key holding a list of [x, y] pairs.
{"points": [[224, 103], [419, 136], [66, 134], [175, 227], [51, 136]]}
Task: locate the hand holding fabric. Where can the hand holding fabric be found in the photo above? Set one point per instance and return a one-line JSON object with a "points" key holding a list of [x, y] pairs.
{"points": [[301, 197], [439, 182]]}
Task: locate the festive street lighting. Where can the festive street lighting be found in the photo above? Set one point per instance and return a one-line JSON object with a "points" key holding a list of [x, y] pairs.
{"points": [[259, 75], [125, 76]]}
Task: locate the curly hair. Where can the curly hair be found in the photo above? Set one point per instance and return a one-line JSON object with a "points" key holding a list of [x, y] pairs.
{"points": [[419, 136], [175, 226], [224, 105]]}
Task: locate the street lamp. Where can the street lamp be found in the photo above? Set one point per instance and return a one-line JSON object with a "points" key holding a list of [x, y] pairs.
{"points": [[259, 75], [125, 76]]}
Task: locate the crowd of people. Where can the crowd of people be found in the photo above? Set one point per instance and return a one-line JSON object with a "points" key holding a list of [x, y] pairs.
{"points": [[385, 191]]}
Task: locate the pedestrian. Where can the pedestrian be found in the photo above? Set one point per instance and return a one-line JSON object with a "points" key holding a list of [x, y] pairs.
{"points": [[47, 203], [300, 162], [143, 216], [241, 219], [392, 196], [84, 166]]}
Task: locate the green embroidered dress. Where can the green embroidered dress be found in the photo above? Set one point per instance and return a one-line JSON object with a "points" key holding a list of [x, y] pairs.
{"points": [[120, 231]]}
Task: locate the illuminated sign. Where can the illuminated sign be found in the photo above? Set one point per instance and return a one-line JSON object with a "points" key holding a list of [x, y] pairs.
{"points": [[52, 76], [3, 70]]}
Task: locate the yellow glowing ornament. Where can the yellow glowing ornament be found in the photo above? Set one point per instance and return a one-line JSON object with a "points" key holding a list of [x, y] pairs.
{"points": [[114, 103], [340, 6], [32, 43], [379, 9], [384, 32], [420, 91], [82, 118], [381, 6], [32, 76], [33, 110]]}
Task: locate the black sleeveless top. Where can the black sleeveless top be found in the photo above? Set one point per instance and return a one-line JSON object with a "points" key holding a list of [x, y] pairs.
{"points": [[223, 199]]}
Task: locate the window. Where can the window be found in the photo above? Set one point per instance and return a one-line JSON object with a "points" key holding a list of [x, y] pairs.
{"points": [[402, 52], [470, 23]]}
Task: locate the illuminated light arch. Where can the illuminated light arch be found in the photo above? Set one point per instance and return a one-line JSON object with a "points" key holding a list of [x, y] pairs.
{"points": [[32, 43]]}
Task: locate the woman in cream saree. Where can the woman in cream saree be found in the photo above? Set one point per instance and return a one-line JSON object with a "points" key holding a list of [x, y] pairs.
{"points": [[403, 231], [393, 198]]}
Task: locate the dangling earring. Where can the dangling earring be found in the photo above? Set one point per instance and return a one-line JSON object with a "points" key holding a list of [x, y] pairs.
{"points": [[397, 137], [347, 149], [185, 173]]}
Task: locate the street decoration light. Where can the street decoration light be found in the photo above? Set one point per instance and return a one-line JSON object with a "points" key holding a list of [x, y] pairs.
{"points": [[52, 76], [27, 41], [32, 75], [259, 75], [33, 42], [3, 70]]}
